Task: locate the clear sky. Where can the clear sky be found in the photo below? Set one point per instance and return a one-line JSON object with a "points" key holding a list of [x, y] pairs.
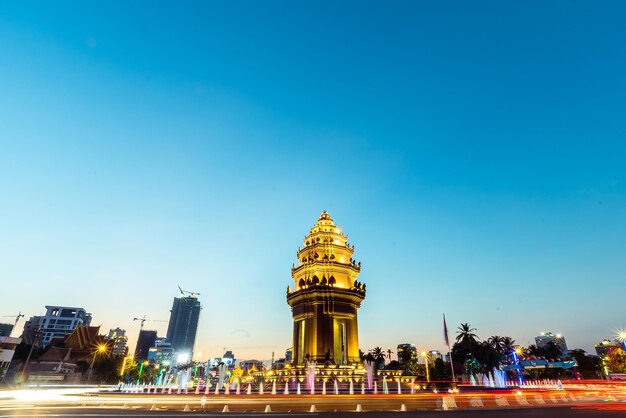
{"points": [[474, 151]]}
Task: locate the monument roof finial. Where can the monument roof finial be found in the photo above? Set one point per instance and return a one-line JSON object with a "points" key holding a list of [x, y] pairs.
{"points": [[324, 216]]}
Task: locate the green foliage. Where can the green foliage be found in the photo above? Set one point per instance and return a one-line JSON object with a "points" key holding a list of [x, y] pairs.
{"points": [[616, 361], [440, 371], [378, 357], [477, 356], [106, 369], [589, 367], [549, 351]]}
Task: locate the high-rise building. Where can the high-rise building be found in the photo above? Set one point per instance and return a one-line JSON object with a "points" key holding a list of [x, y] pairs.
{"points": [[544, 338], [406, 352], [145, 340], [161, 353], [120, 341], [183, 325], [57, 323], [326, 297]]}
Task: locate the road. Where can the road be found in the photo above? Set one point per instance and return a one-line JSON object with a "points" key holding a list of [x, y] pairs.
{"points": [[557, 412], [581, 401]]}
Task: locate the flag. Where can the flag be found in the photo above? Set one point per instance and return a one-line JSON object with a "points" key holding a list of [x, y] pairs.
{"points": [[445, 331]]}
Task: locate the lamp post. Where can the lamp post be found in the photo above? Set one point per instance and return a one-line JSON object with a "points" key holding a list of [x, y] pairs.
{"points": [[100, 349], [143, 363], [30, 353], [424, 355], [126, 358]]}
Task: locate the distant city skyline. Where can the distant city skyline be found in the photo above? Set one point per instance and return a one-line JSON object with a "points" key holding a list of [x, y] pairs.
{"points": [[474, 154]]}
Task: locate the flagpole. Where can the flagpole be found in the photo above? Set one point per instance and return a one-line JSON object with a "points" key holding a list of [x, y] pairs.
{"points": [[445, 328]]}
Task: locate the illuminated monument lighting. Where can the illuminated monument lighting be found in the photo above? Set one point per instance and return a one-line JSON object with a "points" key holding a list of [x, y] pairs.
{"points": [[326, 298]]}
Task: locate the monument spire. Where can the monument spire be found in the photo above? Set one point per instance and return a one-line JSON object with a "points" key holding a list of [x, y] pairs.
{"points": [[326, 297]]}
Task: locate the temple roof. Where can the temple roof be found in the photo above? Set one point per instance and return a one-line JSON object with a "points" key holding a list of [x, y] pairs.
{"points": [[325, 216]]}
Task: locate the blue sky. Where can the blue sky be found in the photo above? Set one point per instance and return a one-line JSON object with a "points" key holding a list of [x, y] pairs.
{"points": [[473, 151]]}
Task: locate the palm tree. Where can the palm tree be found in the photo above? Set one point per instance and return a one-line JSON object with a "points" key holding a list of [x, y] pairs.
{"points": [[533, 350], [389, 354], [507, 344], [379, 355], [466, 337], [495, 341]]}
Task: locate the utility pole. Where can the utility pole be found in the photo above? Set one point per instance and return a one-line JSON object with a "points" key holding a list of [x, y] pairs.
{"points": [[30, 353]]}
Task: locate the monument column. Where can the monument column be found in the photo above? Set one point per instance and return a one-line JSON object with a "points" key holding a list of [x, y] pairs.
{"points": [[326, 297]]}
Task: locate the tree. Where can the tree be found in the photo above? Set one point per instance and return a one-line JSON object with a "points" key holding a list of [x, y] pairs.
{"points": [[616, 360], [495, 342], [466, 337], [552, 351], [394, 365], [508, 344], [411, 367], [378, 355], [588, 366], [106, 369], [533, 350], [440, 370], [486, 355]]}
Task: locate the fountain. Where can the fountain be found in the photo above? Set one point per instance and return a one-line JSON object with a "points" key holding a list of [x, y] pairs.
{"points": [[485, 380], [249, 390], [492, 384], [369, 372], [500, 378], [310, 376], [362, 388], [375, 388], [286, 391], [385, 387], [274, 388], [351, 387], [298, 391], [472, 380], [324, 387], [238, 388], [221, 375], [261, 388], [336, 387]]}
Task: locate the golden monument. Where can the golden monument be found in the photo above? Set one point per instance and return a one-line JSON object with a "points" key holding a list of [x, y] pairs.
{"points": [[326, 298]]}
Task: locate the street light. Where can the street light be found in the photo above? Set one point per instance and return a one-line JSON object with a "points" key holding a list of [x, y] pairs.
{"points": [[126, 358], [100, 349], [424, 354], [141, 366]]}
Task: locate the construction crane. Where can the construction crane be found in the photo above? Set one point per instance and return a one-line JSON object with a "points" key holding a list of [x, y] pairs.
{"points": [[192, 294], [143, 320], [17, 317]]}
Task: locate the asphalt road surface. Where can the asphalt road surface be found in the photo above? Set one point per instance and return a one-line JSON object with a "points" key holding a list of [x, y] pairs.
{"points": [[608, 410]]}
